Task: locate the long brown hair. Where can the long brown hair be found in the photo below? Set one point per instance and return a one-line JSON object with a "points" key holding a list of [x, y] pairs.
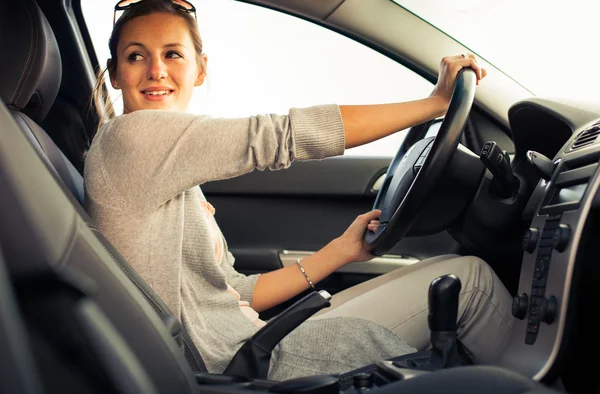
{"points": [[100, 96]]}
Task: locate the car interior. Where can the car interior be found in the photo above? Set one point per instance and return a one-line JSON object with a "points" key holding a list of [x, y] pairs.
{"points": [[511, 179]]}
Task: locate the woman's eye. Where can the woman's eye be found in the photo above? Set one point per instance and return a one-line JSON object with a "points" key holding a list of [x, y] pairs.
{"points": [[173, 55], [134, 57]]}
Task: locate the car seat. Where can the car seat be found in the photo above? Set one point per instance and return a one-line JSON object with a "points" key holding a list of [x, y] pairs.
{"points": [[30, 84]]}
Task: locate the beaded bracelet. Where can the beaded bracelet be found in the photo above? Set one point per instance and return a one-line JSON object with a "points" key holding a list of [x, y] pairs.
{"points": [[305, 274]]}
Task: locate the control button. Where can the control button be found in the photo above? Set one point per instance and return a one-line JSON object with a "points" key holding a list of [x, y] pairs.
{"points": [[561, 237], [549, 307], [363, 380], [539, 271], [530, 338], [541, 268], [519, 306], [486, 149], [543, 259], [544, 251], [543, 165], [530, 239]]}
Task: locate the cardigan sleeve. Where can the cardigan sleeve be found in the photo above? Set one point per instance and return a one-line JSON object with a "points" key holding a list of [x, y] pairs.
{"points": [[150, 156], [243, 284]]}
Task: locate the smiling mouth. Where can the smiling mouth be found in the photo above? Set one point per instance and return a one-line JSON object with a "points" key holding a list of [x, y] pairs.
{"points": [[157, 93]]}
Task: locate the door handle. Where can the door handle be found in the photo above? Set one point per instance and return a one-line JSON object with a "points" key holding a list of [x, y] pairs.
{"points": [[378, 183]]}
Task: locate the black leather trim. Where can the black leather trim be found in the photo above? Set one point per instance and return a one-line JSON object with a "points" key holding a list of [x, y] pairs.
{"points": [[30, 86], [31, 71], [468, 380], [49, 151], [44, 228], [19, 372]]}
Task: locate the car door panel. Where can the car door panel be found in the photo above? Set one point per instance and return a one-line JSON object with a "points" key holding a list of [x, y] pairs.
{"points": [[338, 176], [301, 209]]}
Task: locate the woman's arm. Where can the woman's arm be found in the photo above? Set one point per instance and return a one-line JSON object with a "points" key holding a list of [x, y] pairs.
{"points": [[278, 286], [148, 157], [366, 123], [362, 124]]}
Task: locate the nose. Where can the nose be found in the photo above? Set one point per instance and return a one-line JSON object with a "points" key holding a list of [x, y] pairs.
{"points": [[157, 69]]}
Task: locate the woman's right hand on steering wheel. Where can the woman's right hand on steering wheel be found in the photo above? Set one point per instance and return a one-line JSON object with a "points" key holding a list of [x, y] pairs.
{"points": [[352, 242]]}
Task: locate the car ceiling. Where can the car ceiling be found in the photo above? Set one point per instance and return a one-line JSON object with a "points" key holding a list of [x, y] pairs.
{"points": [[398, 33]]}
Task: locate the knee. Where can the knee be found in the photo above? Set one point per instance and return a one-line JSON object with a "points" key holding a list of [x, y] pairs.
{"points": [[480, 275]]}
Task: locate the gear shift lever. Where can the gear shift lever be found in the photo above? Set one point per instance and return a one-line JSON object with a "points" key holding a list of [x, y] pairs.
{"points": [[443, 312], [443, 303]]}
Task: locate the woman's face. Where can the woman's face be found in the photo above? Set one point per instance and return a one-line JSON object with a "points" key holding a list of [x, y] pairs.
{"points": [[157, 67]]}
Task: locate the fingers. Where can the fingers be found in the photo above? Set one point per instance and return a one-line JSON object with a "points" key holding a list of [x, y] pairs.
{"points": [[471, 61], [456, 63], [373, 225], [369, 220], [371, 215]]}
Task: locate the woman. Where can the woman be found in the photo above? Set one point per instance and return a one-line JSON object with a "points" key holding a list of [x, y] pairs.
{"points": [[142, 175]]}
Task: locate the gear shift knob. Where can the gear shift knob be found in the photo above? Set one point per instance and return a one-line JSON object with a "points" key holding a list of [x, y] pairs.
{"points": [[443, 312], [443, 303]]}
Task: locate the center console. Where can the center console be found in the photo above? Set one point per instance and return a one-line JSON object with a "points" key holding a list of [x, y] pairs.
{"points": [[561, 202]]}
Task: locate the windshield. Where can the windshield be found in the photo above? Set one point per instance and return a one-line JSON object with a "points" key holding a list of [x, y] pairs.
{"points": [[546, 45]]}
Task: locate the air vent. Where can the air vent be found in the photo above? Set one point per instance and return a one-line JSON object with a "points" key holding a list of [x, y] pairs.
{"points": [[587, 137]]}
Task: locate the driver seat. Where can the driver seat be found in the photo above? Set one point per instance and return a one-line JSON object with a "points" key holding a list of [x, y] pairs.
{"points": [[30, 84]]}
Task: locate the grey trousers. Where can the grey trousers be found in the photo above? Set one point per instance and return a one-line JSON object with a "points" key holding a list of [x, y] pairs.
{"points": [[398, 301]]}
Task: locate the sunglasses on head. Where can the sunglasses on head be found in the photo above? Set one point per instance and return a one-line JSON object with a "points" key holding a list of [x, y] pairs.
{"points": [[123, 5]]}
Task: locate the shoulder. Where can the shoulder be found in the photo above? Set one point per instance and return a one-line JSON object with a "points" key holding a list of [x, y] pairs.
{"points": [[134, 130], [148, 119], [144, 121]]}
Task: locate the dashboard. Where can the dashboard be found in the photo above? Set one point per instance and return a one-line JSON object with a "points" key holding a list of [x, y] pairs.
{"points": [[557, 212]]}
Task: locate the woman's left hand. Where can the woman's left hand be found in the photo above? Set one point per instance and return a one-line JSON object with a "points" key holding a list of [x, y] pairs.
{"points": [[352, 242], [449, 68]]}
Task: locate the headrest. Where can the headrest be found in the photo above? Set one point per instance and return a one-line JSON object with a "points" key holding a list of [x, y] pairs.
{"points": [[30, 70]]}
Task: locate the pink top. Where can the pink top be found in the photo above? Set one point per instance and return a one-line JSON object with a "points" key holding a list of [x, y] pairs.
{"points": [[217, 237]]}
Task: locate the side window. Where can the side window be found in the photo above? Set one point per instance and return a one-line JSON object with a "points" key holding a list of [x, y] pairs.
{"points": [[264, 61]]}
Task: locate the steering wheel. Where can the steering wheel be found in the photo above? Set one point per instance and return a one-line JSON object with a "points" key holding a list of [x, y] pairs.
{"points": [[417, 167]]}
